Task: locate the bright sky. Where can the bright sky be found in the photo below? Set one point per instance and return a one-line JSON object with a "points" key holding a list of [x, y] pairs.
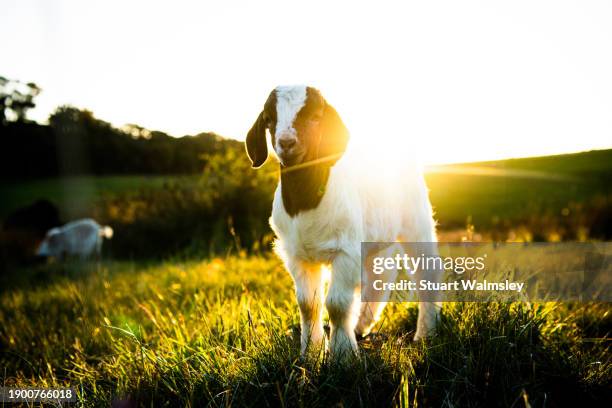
{"points": [[455, 80]]}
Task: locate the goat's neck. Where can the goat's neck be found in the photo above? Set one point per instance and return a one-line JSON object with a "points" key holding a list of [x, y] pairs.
{"points": [[302, 189]]}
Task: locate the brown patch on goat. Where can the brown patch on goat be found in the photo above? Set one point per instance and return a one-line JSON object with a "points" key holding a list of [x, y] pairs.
{"points": [[325, 136], [303, 185]]}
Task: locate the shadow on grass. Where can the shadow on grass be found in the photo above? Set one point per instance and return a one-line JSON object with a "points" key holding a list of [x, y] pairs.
{"points": [[41, 274]]}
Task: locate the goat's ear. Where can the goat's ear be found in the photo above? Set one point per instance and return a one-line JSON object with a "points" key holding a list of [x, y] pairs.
{"points": [[335, 135], [256, 145]]}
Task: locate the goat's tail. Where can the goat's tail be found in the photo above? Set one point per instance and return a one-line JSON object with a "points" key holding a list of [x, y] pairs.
{"points": [[106, 232]]}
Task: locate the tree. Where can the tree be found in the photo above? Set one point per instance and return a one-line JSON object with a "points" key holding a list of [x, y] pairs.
{"points": [[16, 98]]}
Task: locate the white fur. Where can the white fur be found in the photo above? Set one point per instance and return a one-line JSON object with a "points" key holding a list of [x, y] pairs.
{"points": [[289, 101], [82, 238], [360, 204]]}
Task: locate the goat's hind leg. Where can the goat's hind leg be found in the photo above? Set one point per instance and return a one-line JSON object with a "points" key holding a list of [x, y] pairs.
{"points": [[372, 308], [421, 233], [430, 307], [369, 313]]}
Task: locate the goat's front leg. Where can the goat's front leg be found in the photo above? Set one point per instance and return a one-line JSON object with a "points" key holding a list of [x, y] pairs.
{"points": [[342, 306], [309, 292]]}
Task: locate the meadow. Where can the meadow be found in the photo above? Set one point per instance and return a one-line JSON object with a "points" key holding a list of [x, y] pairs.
{"points": [[224, 332], [189, 308]]}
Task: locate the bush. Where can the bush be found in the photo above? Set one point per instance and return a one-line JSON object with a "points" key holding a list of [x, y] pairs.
{"points": [[223, 210]]}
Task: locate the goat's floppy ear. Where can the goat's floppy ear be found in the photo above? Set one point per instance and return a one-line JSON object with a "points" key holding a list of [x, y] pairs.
{"points": [[256, 145], [335, 135]]}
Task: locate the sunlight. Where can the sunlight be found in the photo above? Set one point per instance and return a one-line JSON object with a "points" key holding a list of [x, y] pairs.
{"points": [[392, 133], [467, 170], [418, 84]]}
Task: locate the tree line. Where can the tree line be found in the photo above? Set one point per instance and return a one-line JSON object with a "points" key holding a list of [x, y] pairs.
{"points": [[75, 142]]}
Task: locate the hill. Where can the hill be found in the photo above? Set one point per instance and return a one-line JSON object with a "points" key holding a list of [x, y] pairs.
{"points": [[560, 189]]}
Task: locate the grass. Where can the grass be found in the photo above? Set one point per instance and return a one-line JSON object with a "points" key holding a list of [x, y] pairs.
{"points": [[222, 332]]}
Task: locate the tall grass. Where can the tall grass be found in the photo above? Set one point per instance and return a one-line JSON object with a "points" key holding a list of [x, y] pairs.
{"points": [[224, 332]]}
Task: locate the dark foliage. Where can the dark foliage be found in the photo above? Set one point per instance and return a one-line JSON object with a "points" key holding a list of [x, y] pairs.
{"points": [[77, 143], [38, 218], [25, 228]]}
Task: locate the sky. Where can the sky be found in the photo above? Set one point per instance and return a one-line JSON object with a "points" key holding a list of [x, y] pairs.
{"points": [[449, 81]]}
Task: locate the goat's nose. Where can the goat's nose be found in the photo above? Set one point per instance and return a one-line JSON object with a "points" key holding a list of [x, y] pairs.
{"points": [[286, 144]]}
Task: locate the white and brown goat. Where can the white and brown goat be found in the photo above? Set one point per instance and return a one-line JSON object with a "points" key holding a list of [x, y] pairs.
{"points": [[325, 205]]}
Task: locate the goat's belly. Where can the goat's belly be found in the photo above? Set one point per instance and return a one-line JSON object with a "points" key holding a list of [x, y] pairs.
{"points": [[319, 234]]}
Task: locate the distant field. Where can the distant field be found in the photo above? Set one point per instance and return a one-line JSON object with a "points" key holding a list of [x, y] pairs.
{"points": [[592, 164], [78, 195], [486, 194], [515, 190]]}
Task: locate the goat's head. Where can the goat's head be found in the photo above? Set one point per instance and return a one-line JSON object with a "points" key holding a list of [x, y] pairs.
{"points": [[303, 127]]}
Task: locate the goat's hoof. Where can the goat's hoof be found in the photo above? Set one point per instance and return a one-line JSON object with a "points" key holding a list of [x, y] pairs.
{"points": [[344, 358], [422, 336], [372, 339], [293, 333]]}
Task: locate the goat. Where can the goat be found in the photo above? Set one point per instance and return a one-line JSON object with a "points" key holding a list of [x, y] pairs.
{"points": [[324, 207], [82, 238]]}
